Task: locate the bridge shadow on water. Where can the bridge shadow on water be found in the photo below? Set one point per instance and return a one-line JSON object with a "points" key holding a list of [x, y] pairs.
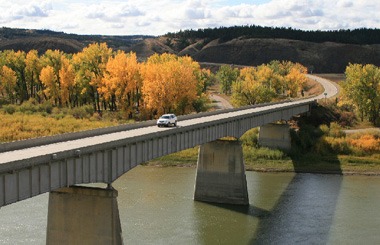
{"points": [[303, 210], [303, 213]]}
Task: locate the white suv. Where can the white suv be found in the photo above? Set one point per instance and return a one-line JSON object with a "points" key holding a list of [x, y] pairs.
{"points": [[167, 120]]}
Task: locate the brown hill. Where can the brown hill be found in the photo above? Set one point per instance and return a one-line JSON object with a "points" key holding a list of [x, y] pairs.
{"points": [[42, 40], [321, 57], [41, 44], [325, 57], [150, 46]]}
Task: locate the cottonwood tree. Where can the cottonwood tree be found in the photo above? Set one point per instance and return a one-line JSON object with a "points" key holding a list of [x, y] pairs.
{"points": [[68, 88], [51, 85], [169, 83], [267, 82], [33, 68], [252, 87], [8, 80], [89, 66], [295, 80], [121, 83], [16, 61], [226, 76], [362, 89]]}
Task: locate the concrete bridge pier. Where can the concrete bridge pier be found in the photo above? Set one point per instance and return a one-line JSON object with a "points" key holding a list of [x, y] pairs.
{"points": [[83, 215], [275, 136], [220, 176]]}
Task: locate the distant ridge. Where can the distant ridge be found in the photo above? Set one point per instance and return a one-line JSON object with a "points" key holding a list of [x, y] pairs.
{"points": [[355, 36], [41, 40], [245, 45]]}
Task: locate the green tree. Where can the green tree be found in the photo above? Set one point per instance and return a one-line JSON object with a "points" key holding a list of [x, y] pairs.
{"points": [[362, 89], [16, 61], [226, 76], [90, 65]]}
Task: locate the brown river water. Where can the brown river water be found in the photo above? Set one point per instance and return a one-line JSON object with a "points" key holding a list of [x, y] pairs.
{"points": [[156, 207]]}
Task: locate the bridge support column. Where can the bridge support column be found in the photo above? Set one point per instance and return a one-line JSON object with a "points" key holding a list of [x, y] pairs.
{"points": [[220, 174], [275, 136], [83, 215]]}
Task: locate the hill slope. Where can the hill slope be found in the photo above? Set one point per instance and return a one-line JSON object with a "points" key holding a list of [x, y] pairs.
{"points": [[325, 57], [319, 57]]}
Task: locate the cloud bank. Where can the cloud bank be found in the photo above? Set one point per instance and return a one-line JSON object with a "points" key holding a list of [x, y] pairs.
{"points": [[120, 17]]}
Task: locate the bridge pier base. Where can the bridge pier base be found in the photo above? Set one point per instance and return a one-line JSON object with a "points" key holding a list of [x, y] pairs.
{"points": [[83, 215], [220, 174], [276, 136]]}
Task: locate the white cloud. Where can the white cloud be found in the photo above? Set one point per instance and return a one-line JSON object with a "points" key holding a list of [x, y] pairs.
{"points": [[159, 17], [14, 12], [112, 12]]}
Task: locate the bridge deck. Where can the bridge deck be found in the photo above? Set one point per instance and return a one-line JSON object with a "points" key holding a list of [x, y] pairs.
{"points": [[56, 148]]}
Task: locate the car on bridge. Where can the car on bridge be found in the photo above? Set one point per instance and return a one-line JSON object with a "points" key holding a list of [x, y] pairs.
{"points": [[167, 120]]}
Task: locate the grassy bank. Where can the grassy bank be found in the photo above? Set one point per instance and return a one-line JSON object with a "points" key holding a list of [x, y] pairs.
{"points": [[255, 160], [33, 120]]}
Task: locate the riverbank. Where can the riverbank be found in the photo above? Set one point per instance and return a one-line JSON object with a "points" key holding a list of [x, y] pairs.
{"points": [[308, 163]]}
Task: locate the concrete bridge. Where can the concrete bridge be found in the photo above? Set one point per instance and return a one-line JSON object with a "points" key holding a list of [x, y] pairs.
{"points": [[58, 164]]}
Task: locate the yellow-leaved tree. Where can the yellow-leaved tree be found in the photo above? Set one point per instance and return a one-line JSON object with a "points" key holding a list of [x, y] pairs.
{"points": [[68, 89], [296, 79], [8, 80], [169, 84], [121, 83], [267, 82], [253, 86], [50, 82], [32, 72]]}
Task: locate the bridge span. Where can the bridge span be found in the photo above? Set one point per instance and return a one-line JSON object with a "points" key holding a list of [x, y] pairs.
{"points": [[32, 167], [102, 159]]}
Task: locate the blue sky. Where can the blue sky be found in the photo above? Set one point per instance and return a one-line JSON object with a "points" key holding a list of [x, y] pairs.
{"points": [[152, 17]]}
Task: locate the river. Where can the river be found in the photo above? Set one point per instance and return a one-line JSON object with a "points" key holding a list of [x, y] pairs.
{"points": [[156, 207]]}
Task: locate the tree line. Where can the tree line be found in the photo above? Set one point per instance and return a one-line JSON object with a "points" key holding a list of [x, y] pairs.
{"points": [[117, 81], [265, 83], [357, 36], [106, 79]]}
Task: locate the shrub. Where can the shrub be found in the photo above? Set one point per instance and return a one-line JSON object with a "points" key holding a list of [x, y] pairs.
{"points": [[305, 138], [336, 130], [82, 112], [367, 142], [46, 107], [250, 138], [252, 153], [9, 109], [347, 119], [28, 107], [322, 146], [338, 145], [325, 129]]}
